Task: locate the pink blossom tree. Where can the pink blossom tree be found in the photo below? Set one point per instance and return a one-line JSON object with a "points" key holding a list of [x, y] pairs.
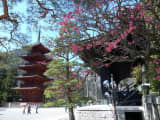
{"points": [[66, 89], [115, 31]]}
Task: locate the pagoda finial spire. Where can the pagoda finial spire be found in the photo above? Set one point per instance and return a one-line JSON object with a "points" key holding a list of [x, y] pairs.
{"points": [[39, 34]]}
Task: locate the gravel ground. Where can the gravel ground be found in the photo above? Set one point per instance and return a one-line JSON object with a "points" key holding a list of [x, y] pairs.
{"points": [[43, 114]]}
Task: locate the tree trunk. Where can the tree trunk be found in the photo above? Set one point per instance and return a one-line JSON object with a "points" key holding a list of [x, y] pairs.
{"points": [[95, 83], [113, 99], [145, 81], [87, 88], [5, 10], [71, 114]]}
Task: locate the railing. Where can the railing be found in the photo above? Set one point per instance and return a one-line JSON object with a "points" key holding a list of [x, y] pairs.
{"points": [[151, 104]]}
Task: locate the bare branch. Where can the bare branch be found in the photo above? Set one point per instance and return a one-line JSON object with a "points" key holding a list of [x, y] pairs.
{"points": [[14, 28], [7, 17], [46, 10], [2, 39], [5, 10]]}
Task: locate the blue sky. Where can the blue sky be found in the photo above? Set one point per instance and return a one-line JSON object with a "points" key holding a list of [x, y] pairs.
{"points": [[21, 9]]}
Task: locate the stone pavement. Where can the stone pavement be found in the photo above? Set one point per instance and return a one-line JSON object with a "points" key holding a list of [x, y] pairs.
{"points": [[44, 114]]}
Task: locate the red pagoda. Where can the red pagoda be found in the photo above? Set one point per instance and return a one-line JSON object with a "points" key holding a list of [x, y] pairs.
{"points": [[33, 80]]}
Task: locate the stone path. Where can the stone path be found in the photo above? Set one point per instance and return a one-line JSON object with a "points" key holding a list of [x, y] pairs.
{"points": [[44, 114]]}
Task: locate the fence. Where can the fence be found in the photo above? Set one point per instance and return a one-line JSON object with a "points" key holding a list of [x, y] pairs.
{"points": [[151, 106]]}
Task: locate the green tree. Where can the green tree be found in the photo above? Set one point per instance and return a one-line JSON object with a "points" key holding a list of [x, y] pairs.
{"points": [[67, 85], [65, 90], [11, 76], [8, 72], [4, 83], [7, 81], [151, 74]]}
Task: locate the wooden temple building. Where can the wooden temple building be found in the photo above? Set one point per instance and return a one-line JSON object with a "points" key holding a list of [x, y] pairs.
{"points": [[33, 80], [117, 65]]}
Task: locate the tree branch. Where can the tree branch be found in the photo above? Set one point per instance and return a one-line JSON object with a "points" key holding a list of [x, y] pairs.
{"points": [[5, 10], [2, 44], [7, 17], [46, 10], [14, 28]]}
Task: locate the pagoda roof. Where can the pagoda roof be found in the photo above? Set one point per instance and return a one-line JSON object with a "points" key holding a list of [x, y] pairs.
{"points": [[33, 77], [33, 66], [40, 47], [26, 88], [35, 57]]}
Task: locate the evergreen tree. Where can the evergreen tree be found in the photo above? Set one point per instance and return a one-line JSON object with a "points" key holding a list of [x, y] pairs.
{"points": [[7, 81], [66, 88], [3, 84], [8, 73], [67, 85]]}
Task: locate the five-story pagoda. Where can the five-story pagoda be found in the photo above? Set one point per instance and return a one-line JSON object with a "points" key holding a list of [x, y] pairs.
{"points": [[33, 80]]}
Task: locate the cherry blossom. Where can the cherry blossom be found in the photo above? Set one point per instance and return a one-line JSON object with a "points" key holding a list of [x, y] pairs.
{"points": [[148, 19], [157, 78], [88, 46], [158, 70], [75, 28], [60, 96], [53, 90], [107, 65], [155, 61]]}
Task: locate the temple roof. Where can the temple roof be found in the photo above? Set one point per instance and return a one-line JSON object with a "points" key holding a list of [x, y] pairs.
{"points": [[35, 57], [33, 67], [40, 47], [31, 78], [119, 61]]}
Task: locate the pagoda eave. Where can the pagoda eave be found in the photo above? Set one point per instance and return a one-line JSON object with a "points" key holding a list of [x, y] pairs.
{"points": [[34, 66], [26, 89], [32, 78], [41, 48], [35, 57]]}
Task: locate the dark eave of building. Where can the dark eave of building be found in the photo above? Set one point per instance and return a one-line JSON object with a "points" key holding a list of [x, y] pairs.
{"points": [[33, 67], [120, 61], [32, 78], [35, 57], [40, 47]]}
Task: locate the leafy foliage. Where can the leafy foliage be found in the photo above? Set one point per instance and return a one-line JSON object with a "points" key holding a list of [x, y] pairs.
{"points": [[64, 69], [150, 75], [64, 90], [137, 74], [7, 81], [4, 83], [8, 72]]}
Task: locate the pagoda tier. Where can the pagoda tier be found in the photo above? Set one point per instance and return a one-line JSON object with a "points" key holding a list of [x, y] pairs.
{"points": [[34, 66], [33, 80], [33, 69], [30, 94], [35, 57], [39, 48]]}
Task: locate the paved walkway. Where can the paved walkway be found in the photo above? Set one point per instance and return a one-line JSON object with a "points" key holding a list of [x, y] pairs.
{"points": [[44, 114]]}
